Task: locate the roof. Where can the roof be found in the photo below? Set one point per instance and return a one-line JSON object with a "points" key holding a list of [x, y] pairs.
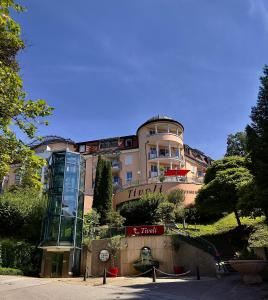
{"points": [[50, 139], [160, 118]]}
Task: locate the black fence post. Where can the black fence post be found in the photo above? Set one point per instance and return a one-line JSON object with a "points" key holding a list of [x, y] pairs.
{"points": [[85, 275], [104, 276], [197, 273], [154, 275]]}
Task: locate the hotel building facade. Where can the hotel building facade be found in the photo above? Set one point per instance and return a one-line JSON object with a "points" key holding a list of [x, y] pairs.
{"points": [[155, 159]]}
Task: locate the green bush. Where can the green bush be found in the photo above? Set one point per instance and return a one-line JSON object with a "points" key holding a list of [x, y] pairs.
{"points": [[10, 271], [143, 211], [20, 255]]}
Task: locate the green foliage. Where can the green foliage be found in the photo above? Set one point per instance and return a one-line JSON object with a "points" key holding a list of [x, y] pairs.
{"points": [[142, 211], [11, 220], [223, 164], [259, 237], [20, 255], [103, 189], [21, 213], [113, 247], [15, 111], [257, 143], [10, 271], [165, 212], [246, 254], [115, 219], [223, 225], [91, 221], [236, 144], [222, 193], [176, 197]]}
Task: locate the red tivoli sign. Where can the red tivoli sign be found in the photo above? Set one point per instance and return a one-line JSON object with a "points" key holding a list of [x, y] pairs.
{"points": [[145, 230]]}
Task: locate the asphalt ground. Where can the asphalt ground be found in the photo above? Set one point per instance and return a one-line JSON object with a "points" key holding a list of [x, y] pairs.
{"points": [[227, 288]]}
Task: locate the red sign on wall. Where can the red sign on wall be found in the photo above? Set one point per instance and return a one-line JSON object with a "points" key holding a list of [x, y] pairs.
{"points": [[145, 230]]}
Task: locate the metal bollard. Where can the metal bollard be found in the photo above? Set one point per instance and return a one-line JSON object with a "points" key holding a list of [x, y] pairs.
{"points": [[104, 276], [197, 273], [154, 275], [85, 275]]}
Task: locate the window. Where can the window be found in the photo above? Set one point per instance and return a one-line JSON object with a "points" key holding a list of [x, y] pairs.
{"points": [[82, 148], [128, 160], [153, 168], [129, 176], [128, 143], [151, 131], [113, 143], [116, 180]]}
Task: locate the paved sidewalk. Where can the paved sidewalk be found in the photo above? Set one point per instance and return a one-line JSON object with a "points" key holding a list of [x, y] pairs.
{"points": [[228, 288]]}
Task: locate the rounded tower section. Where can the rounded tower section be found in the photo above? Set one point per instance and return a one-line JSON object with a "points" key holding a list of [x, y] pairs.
{"points": [[161, 147]]}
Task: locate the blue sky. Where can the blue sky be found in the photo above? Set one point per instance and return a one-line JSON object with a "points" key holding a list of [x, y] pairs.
{"points": [[109, 65]]}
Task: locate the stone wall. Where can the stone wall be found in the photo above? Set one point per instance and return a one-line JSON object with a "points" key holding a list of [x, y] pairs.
{"points": [[187, 256]]}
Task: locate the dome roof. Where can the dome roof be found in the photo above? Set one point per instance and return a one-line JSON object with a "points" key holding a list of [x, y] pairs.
{"points": [[160, 118]]}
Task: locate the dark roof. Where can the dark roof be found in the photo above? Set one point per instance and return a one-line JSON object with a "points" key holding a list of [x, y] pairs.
{"points": [[160, 118], [50, 139]]}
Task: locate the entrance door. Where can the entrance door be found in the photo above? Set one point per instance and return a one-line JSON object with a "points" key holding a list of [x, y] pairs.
{"points": [[56, 264]]}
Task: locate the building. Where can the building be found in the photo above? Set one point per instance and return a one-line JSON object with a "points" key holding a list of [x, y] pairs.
{"points": [[155, 159]]}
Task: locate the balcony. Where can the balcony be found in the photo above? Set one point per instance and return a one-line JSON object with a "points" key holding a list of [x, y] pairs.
{"points": [[165, 138], [164, 157]]}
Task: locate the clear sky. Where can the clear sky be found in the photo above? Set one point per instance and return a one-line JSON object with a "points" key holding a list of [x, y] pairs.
{"points": [[109, 65]]}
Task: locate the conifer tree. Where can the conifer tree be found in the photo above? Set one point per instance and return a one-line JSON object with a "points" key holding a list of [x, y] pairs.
{"points": [[97, 201], [106, 190], [257, 143], [103, 189]]}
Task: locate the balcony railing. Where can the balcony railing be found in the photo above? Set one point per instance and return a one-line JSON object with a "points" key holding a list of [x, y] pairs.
{"points": [[173, 156]]}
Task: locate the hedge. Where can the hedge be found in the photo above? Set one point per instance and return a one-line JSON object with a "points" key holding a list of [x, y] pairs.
{"points": [[20, 255], [10, 271]]}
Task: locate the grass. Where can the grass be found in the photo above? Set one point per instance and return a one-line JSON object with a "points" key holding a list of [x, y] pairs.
{"points": [[225, 224]]}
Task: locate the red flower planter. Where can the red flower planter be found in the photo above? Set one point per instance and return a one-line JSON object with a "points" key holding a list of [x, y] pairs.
{"points": [[113, 272], [178, 270]]}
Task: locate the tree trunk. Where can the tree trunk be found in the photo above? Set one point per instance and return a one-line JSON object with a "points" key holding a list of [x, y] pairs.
{"points": [[237, 218]]}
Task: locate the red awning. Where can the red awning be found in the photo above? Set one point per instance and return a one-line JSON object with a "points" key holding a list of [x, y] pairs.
{"points": [[181, 172]]}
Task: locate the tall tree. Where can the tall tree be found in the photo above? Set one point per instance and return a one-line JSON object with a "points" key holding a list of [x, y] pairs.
{"points": [[106, 189], [236, 144], [222, 189], [257, 143], [16, 113], [103, 189], [97, 201]]}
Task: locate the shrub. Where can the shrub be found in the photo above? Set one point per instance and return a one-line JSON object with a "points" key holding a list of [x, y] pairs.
{"points": [[143, 211], [10, 271], [115, 219], [20, 255], [165, 212]]}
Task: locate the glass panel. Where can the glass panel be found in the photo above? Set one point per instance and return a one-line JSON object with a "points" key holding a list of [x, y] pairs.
{"points": [[53, 227], [69, 205], [80, 205], [72, 158], [55, 204], [56, 264], [67, 229], [79, 227]]}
